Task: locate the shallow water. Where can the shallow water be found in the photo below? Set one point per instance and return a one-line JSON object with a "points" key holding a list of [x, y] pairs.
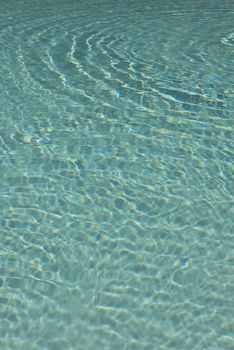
{"points": [[116, 175]]}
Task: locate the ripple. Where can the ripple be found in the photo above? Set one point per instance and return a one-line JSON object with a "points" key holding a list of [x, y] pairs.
{"points": [[116, 147], [229, 40], [100, 62]]}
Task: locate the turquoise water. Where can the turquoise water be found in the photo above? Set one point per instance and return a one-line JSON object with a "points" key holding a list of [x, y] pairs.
{"points": [[116, 175]]}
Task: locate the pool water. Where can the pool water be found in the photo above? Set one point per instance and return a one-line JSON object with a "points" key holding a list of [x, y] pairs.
{"points": [[116, 175]]}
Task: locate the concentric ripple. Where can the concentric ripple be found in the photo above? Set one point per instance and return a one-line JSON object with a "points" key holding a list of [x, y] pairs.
{"points": [[116, 164]]}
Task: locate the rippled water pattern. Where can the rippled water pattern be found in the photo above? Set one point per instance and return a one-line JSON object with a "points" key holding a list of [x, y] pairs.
{"points": [[116, 177]]}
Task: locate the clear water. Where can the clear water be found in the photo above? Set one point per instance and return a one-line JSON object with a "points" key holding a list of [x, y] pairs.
{"points": [[116, 154]]}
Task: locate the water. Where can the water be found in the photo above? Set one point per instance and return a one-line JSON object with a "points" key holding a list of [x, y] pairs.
{"points": [[116, 157]]}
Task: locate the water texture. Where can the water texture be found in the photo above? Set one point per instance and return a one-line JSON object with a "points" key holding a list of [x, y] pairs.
{"points": [[116, 175]]}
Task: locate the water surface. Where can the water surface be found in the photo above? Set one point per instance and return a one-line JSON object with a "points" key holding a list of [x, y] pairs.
{"points": [[116, 175]]}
